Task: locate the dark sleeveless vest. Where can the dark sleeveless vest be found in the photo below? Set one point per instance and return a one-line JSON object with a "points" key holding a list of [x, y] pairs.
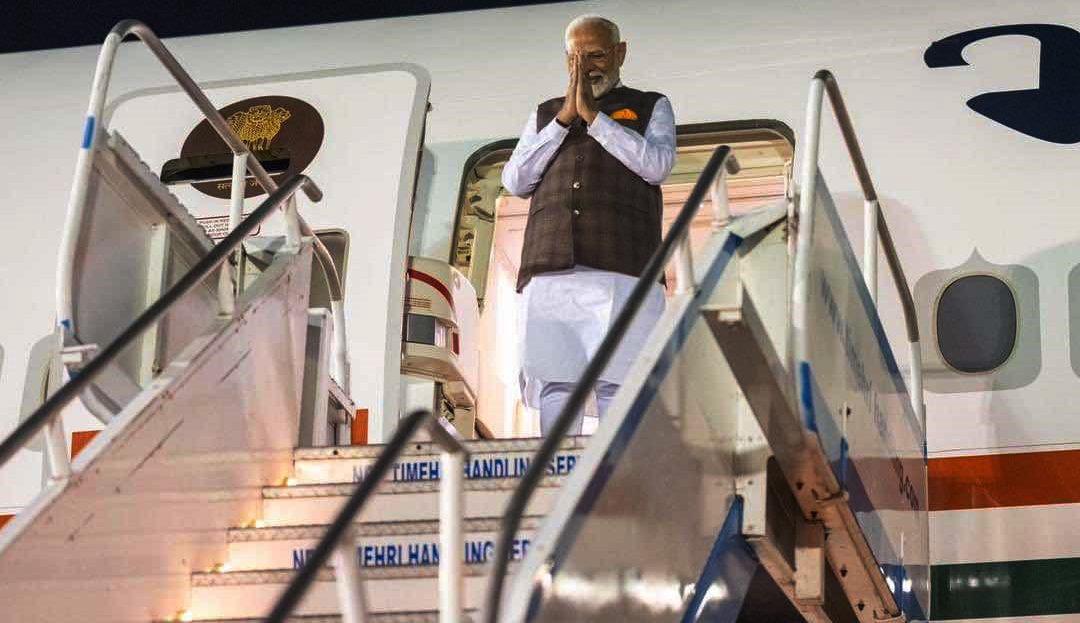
{"points": [[589, 209]]}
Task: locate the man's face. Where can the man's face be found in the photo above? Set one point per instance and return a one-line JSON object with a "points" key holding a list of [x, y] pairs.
{"points": [[601, 59]]}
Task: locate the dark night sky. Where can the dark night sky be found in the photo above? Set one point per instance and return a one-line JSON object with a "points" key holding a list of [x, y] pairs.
{"points": [[43, 24]]}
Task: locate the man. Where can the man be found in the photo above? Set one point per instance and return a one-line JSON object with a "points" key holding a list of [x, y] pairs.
{"points": [[592, 162]]}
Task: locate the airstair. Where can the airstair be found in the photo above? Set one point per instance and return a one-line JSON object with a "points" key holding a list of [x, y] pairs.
{"points": [[764, 461]]}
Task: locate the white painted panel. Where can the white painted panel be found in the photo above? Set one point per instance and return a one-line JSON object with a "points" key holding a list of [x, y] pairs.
{"points": [[1004, 534]]}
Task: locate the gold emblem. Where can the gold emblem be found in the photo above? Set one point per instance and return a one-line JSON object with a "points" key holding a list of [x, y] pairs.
{"points": [[265, 122], [257, 126]]}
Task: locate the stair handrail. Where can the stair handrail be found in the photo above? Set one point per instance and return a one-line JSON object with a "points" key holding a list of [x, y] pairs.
{"points": [[338, 541], [80, 381], [242, 159], [710, 181], [824, 82]]}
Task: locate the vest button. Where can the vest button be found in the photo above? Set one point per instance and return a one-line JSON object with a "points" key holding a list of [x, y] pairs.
{"points": [[576, 185], [577, 212]]}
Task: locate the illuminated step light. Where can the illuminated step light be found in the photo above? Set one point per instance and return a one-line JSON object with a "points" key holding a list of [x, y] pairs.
{"points": [[221, 567]]}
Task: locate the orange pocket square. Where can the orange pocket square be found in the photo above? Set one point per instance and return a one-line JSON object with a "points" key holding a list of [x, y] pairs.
{"points": [[624, 113]]}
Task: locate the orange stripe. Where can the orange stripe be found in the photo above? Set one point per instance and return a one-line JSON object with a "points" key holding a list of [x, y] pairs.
{"points": [[360, 428], [996, 480], [80, 439], [4, 519]]}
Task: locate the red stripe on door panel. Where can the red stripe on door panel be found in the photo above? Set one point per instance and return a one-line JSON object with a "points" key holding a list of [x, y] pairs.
{"points": [[434, 283]]}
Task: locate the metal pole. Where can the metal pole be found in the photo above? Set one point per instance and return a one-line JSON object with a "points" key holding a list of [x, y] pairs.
{"points": [[236, 214], [870, 246], [824, 80], [721, 207], [341, 369], [293, 231], [917, 402], [684, 267], [239, 185], [350, 587], [451, 537], [80, 187], [226, 283], [55, 436], [800, 294], [226, 295], [56, 448]]}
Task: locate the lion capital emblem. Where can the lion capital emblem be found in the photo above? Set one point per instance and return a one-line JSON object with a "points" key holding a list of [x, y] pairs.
{"points": [[257, 126]]}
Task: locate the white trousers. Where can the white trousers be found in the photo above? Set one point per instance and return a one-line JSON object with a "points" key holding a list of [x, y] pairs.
{"points": [[563, 317], [553, 397]]}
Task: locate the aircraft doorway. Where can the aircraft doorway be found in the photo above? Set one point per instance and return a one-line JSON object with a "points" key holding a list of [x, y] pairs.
{"points": [[490, 226]]}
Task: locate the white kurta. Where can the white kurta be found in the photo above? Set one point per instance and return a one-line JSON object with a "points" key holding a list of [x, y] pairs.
{"points": [[563, 316]]}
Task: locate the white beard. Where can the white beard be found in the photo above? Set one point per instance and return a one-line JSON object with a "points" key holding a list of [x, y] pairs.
{"points": [[606, 83]]}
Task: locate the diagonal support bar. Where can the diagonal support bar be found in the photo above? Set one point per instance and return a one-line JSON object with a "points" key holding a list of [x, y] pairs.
{"points": [[725, 579]]}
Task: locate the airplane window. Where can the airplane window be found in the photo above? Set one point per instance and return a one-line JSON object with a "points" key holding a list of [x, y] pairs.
{"points": [[983, 319], [976, 323]]}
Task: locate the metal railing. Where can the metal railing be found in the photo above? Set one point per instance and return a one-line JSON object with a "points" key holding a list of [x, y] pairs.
{"points": [[337, 541], [243, 161], [874, 226], [50, 409], [675, 243]]}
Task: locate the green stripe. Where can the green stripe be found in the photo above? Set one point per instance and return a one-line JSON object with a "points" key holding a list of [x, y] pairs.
{"points": [[1005, 589]]}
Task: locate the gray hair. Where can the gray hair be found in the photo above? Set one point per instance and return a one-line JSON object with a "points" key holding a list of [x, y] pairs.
{"points": [[592, 20]]}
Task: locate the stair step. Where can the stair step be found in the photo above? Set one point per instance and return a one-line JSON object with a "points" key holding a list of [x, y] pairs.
{"points": [[504, 458], [397, 501], [381, 544], [251, 594], [388, 617]]}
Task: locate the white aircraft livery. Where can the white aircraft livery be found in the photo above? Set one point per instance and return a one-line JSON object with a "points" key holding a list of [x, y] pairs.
{"points": [[956, 476]]}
